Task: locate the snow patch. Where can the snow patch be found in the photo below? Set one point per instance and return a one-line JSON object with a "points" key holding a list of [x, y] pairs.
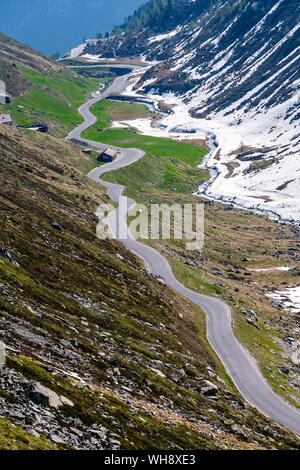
{"points": [[290, 298], [161, 37]]}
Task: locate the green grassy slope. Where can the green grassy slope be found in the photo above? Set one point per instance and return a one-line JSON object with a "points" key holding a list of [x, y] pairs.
{"points": [[15, 438], [169, 166], [52, 98], [13, 55], [107, 111], [41, 89], [186, 153]]}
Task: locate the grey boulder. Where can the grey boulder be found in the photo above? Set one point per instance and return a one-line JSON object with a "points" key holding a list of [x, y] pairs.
{"points": [[44, 396]]}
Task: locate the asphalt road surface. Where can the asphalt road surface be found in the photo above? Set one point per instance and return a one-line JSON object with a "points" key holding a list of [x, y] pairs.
{"points": [[239, 364]]}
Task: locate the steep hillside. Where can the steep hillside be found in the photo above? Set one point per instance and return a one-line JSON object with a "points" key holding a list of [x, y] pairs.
{"points": [[13, 54], [81, 318], [229, 69], [41, 90]]}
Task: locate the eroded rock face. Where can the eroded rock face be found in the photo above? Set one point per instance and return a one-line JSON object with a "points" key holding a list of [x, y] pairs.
{"points": [[39, 417], [7, 255], [44, 396]]}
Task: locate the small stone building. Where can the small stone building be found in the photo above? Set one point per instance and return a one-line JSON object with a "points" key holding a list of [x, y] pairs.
{"points": [[107, 155]]}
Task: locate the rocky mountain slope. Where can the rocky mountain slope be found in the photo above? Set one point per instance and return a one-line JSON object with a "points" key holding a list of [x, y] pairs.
{"points": [[229, 69]]}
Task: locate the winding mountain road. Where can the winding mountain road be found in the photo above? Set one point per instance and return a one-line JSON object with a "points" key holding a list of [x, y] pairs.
{"points": [[240, 365]]}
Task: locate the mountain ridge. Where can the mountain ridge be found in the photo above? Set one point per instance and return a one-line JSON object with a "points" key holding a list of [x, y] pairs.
{"points": [[234, 68]]}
